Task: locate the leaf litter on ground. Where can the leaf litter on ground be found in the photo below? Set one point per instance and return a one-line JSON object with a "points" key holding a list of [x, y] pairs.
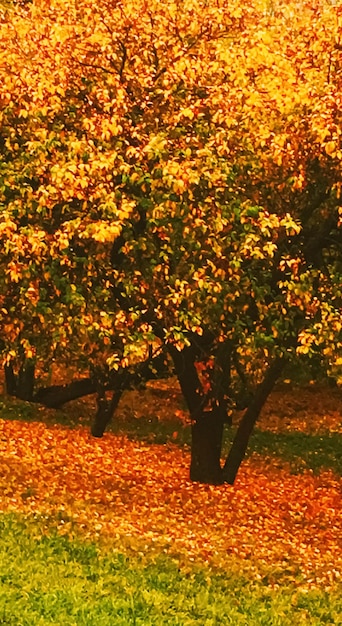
{"points": [[272, 523]]}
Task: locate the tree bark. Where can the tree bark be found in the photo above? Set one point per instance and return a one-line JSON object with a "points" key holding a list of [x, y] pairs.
{"points": [[20, 385], [10, 380], [56, 395], [221, 381], [207, 422], [26, 379], [105, 412], [206, 445], [241, 439]]}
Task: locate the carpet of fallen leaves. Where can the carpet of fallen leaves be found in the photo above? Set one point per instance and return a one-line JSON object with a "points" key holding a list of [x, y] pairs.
{"points": [[138, 495]]}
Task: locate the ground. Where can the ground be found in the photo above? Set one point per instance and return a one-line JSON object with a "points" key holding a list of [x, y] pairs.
{"points": [[275, 533]]}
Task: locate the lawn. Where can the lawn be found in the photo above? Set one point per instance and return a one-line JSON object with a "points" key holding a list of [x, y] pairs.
{"points": [[111, 531]]}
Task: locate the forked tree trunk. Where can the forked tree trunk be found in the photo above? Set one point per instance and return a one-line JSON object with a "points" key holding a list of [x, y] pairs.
{"points": [[105, 412], [244, 431], [208, 422]]}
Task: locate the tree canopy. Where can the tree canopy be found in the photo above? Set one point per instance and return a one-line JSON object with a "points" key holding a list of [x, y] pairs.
{"points": [[170, 182]]}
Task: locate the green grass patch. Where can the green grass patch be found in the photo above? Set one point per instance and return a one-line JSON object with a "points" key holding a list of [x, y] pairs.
{"points": [[51, 580], [12, 409], [301, 450]]}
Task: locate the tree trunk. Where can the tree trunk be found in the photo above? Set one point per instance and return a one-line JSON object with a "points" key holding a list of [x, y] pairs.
{"points": [[56, 395], [241, 439], [105, 412], [206, 445], [10, 380], [221, 381], [207, 422], [20, 385], [26, 379]]}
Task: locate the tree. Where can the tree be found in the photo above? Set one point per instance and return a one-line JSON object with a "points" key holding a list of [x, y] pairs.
{"points": [[171, 181]]}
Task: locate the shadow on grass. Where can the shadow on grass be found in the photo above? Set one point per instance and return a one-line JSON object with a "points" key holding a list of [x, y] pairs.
{"points": [[301, 450], [148, 428], [152, 430]]}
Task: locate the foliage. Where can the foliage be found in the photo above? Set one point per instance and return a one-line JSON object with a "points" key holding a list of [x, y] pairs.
{"points": [[177, 125], [171, 176]]}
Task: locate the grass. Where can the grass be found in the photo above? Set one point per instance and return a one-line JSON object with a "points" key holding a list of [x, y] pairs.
{"points": [[50, 580], [303, 451]]}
